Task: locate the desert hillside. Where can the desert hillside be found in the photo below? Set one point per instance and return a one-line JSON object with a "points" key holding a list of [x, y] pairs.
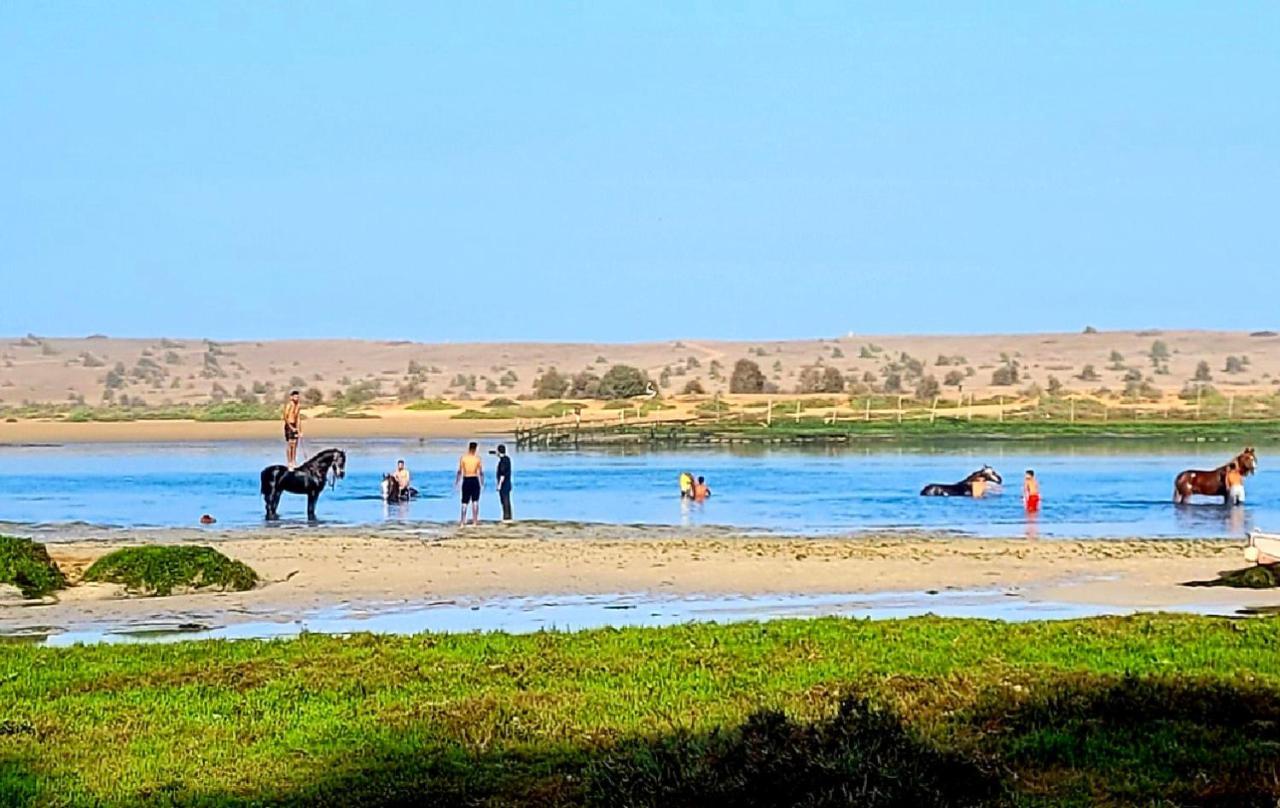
{"points": [[97, 369]]}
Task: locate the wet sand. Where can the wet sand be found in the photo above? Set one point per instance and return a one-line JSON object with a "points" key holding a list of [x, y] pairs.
{"points": [[303, 573]]}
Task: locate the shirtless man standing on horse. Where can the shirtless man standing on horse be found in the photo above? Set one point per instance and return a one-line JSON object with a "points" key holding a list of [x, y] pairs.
{"points": [[292, 428]]}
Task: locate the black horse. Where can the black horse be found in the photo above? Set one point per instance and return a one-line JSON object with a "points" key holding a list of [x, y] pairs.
{"points": [[308, 478], [392, 492], [964, 488]]}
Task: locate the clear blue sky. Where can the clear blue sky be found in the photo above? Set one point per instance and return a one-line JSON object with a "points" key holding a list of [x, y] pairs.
{"points": [[591, 171]]}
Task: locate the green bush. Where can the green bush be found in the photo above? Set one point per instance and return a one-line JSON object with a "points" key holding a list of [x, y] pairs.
{"points": [[623, 381], [159, 569], [431, 404], [26, 565]]}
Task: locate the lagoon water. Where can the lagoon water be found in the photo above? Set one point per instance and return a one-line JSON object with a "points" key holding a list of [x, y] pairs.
{"points": [[1089, 490]]}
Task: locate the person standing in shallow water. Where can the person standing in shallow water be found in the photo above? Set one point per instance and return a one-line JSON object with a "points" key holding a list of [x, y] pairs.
{"points": [[504, 482], [470, 478], [1031, 492], [292, 428]]}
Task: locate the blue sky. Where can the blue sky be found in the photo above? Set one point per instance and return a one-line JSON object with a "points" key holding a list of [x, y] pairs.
{"points": [[601, 171]]}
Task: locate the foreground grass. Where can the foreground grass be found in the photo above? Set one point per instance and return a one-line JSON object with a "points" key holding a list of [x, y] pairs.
{"points": [[1148, 709]]}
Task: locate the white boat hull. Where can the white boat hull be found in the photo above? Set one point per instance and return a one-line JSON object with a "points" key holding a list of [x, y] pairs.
{"points": [[1264, 548]]}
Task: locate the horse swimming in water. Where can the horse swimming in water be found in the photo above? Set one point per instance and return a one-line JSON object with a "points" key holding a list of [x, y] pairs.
{"points": [[1213, 483], [964, 488], [308, 478], [392, 492]]}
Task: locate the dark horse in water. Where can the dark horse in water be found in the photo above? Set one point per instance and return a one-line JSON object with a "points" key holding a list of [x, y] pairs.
{"points": [[1213, 483], [964, 488], [309, 478], [392, 492]]}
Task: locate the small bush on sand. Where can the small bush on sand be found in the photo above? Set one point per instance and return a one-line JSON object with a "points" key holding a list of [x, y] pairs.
{"points": [[26, 565], [159, 569], [429, 404]]}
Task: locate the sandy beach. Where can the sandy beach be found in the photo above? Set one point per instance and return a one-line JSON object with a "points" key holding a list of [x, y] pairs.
{"points": [[392, 422], [305, 573]]}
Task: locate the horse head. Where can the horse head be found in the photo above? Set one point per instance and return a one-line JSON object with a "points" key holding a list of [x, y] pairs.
{"points": [[1247, 461], [989, 474], [339, 467]]}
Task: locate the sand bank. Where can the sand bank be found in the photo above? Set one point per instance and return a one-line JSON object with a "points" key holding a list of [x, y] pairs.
{"points": [[390, 423], [306, 573]]}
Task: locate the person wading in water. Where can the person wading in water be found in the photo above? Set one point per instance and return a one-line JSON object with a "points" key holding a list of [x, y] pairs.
{"points": [[470, 477], [292, 429], [504, 482]]}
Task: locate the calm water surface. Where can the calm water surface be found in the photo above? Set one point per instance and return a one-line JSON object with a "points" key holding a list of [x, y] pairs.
{"points": [[1088, 491]]}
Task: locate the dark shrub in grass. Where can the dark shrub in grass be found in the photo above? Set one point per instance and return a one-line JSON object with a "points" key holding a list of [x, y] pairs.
{"points": [[861, 756], [26, 565], [158, 570]]}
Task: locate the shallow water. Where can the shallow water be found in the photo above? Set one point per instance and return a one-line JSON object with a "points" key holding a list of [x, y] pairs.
{"points": [[1089, 491], [567, 613]]}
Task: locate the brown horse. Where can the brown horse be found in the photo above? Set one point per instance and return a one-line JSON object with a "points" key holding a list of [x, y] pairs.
{"points": [[1212, 483]]}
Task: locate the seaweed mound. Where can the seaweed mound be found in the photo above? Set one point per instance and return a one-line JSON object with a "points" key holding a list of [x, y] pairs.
{"points": [[26, 565], [159, 569], [1263, 576]]}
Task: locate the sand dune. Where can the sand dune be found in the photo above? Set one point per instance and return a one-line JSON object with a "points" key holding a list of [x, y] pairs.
{"points": [[177, 370]]}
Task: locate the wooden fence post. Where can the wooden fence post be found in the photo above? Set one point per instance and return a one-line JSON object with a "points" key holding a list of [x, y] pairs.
{"points": [[768, 414], [899, 409], [866, 412], [933, 411]]}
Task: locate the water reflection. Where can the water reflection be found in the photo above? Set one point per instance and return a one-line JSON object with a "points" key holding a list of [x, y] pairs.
{"points": [[1208, 518]]}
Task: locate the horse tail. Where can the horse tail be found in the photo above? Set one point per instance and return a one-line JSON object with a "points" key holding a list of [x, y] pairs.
{"points": [[268, 478]]}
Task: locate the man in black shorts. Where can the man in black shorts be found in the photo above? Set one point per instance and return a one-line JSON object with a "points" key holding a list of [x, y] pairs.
{"points": [[292, 428], [471, 478]]}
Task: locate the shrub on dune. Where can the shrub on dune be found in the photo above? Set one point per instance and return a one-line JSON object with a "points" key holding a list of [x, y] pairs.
{"points": [[160, 569], [26, 565]]}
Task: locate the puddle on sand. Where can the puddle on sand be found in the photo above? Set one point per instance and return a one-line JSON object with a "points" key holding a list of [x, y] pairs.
{"points": [[568, 613]]}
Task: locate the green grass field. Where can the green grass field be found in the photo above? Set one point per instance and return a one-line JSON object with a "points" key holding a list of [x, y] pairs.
{"points": [[809, 429], [1155, 710]]}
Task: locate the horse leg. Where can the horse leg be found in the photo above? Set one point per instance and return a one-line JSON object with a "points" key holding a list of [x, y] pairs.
{"points": [[311, 505]]}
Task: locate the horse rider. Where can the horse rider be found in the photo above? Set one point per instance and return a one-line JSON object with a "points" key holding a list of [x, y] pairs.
{"points": [[402, 478]]}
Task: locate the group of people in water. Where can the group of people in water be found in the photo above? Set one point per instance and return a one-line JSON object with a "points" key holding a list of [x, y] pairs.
{"points": [[1226, 481], [468, 480]]}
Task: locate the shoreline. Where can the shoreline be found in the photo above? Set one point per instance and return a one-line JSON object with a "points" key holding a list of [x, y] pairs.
{"points": [[391, 424], [492, 566]]}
